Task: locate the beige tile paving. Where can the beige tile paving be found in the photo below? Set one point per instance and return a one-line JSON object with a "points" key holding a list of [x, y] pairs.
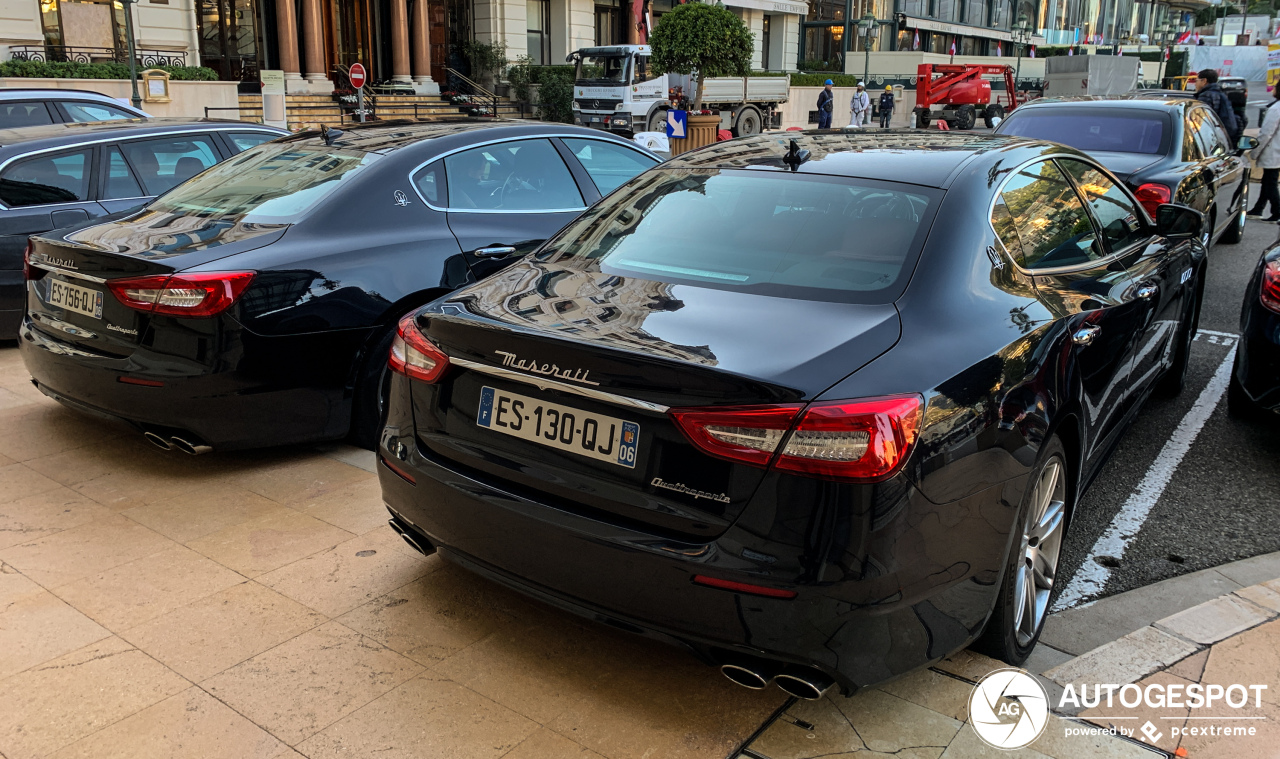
{"points": [[137, 591], [160, 605], [189, 725], [311, 681], [69, 697], [219, 631]]}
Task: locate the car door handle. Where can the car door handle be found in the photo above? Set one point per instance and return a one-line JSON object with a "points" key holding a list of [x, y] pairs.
{"points": [[493, 251], [1146, 291], [1085, 335]]}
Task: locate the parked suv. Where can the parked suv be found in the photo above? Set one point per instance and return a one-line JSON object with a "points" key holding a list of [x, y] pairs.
{"points": [[23, 107], [59, 174]]}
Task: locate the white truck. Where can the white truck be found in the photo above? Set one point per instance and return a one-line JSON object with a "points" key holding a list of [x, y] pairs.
{"points": [[613, 90]]}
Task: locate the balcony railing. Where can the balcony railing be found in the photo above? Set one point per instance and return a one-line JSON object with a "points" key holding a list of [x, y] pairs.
{"points": [[146, 58]]}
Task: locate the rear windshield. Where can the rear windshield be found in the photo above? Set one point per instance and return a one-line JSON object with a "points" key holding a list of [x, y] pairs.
{"points": [[771, 233], [273, 183], [1109, 129]]}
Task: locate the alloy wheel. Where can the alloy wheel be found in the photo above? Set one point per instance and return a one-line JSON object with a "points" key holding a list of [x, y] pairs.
{"points": [[1039, 550]]}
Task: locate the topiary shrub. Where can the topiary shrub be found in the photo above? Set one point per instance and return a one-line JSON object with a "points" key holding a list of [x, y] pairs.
{"points": [[707, 39], [555, 94]]}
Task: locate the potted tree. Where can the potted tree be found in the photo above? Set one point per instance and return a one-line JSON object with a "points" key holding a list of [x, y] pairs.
{"points": [[706, 41]]}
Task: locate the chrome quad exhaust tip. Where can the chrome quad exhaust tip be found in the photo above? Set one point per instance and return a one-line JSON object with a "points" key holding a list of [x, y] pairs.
{"points": [[804, 683], [409, 537], [188, 447], [749, 672], [158, 441]]}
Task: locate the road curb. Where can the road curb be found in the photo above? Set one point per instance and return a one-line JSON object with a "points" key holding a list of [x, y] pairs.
{"points": [[1167, 641]]}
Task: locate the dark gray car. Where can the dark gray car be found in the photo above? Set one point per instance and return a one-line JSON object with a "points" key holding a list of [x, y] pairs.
{"points": [[57, 175]]}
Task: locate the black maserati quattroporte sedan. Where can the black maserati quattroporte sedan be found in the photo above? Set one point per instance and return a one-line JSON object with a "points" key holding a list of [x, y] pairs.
{"points": [[1255, 378], [819, 426], [254, 304]]}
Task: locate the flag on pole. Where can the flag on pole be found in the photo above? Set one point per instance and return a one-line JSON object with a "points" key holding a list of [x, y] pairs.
{"points": [[953, 47], [915, 43], [1166, 53], [1033, 51], [1071, 50], [999, 51]]}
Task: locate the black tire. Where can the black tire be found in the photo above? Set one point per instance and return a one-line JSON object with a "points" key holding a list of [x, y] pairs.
{"points": [[923, 118], [966, 117], [1174, 380], [749, 122], [992, 112], [1004, 637], [1235, 233], [369, 402], [657, 121]]}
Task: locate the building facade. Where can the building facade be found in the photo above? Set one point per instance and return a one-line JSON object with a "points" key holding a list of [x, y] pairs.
{"points": [[412, 42]]}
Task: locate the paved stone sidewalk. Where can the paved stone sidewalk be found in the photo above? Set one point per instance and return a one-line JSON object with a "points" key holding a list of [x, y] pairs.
{"points": [[1232, 640]]}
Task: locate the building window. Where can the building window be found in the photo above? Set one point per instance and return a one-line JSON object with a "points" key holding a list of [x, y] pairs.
{"points": [[947, 10], [827, 10], [764, 45], [609, 23], [538, 25], [76, 24], [824, 47], [975, 12]]}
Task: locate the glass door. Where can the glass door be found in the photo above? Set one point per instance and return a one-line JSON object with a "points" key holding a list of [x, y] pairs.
{"points": [[229, 38]]}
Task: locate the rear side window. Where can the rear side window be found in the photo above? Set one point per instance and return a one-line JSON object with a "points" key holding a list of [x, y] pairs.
{"points": [[166, 163], [1041, 220], [1117, 214], [1089, 129], [120, 181], [16, 115], [242, 141], [609, 164], [274, 183], [430, 183], [45, 179], [1211, 137], [798, 236], [80, 111], [526, 175]]}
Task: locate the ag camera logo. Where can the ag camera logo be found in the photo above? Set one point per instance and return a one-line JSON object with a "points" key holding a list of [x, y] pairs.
{"points": [[1008, 709]]}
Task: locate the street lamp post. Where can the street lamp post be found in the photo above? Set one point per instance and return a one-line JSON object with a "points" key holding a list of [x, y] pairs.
{"points": [[1021, 36], [133, 55], [865, 25]]}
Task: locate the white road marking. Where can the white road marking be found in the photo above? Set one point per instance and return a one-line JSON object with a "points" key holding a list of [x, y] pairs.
{"points": [[1092, 577], [1216, 333]]}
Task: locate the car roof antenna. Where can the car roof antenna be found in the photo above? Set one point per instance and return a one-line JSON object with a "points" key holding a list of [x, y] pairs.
{"points": [[795, 156], [329, 135]]}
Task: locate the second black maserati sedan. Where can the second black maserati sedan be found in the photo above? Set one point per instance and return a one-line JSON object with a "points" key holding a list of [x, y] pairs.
{"points": [[57, 175], [1172, 150], [1255, 379], [254, 304], [819, 426]]}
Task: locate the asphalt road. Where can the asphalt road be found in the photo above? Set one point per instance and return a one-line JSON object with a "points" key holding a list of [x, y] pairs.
{"points": [[1223, 500]]}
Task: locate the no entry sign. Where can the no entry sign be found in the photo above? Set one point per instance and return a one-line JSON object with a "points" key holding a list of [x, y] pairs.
{"points": [[357, 75]]}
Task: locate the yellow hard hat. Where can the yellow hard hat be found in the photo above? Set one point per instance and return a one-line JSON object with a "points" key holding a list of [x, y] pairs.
{"points": [[888, 88]]}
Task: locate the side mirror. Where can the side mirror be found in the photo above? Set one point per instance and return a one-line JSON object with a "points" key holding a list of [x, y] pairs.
{"points": [[1179, 222], [1247, 143]]}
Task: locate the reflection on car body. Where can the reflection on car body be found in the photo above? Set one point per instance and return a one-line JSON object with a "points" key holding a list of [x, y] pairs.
{"points": [[859, 437]]}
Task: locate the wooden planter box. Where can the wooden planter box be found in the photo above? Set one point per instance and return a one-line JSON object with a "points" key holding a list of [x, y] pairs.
{"points": [[702, 131]]}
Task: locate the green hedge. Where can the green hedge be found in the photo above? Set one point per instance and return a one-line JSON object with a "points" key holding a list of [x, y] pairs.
{"points": [[555, 95], [70, 70]]}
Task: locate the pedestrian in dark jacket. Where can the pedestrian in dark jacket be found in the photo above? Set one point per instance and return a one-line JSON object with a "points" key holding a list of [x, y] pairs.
{"points": [[1210, 93], [886, 106], [826, 104]]}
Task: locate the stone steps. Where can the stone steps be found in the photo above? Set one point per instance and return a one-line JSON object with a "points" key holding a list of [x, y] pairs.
{"points": [[312, 111]]}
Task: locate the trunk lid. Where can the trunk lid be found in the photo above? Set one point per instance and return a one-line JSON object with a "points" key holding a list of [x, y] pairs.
{"points": [[621, 350], [81, 260], [1125, 165]]}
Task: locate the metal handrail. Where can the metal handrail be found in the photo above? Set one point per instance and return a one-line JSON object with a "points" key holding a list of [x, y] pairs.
{"points": [[342, 115], [477, 90], [80, 54]]}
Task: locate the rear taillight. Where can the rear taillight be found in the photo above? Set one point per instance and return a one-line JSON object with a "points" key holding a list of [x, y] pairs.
{"points": [[1152, 195], [864, 440], [27, 269], [413, 355], [194, 295], [1271, 286]]}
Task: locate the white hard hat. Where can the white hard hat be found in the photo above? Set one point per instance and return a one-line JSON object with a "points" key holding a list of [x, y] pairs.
{"points": [[860, 84]]}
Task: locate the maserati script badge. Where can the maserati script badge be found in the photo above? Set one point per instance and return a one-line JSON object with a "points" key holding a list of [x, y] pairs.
{"points": [[550, 370]]}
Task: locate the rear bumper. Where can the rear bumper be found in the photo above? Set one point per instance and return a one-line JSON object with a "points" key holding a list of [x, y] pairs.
{"points": [[860, 631], [247, 395], [13, 299]]}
